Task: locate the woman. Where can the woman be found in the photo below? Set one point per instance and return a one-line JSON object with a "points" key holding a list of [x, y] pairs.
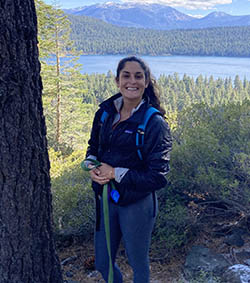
{"points": [[113, 144]]}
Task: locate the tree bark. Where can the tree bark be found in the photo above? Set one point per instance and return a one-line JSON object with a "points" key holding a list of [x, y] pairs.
{"points": [[27, 249]]}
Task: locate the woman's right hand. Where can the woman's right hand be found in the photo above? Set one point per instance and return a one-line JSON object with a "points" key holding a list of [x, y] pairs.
{"points": [[94, 174]]}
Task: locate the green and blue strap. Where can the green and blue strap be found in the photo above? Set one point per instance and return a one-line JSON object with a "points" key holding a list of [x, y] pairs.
{"points": [[96, 164], [107, 231]]}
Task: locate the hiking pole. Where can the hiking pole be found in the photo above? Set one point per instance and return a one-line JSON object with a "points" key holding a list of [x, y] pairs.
{"points": [[95, 164]]}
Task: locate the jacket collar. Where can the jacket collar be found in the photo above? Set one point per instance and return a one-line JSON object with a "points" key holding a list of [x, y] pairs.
{"points": [[109, 106]]}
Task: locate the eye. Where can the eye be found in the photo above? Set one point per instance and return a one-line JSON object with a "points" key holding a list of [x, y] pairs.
{"points": [[125, 76], [139, 77]]}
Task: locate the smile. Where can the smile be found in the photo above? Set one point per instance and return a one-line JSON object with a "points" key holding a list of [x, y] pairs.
{"points": [[132, 88]]}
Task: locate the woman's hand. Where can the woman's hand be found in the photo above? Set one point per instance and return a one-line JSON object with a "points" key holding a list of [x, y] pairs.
{"points": [[95, 176], [103, 174], [107, 171]]}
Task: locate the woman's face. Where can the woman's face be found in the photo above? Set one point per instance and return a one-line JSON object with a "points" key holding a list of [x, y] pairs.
{"points": [[132, 82]]}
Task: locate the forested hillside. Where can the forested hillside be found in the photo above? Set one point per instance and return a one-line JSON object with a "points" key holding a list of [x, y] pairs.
{"points": [[177, 93], [92, 36]]}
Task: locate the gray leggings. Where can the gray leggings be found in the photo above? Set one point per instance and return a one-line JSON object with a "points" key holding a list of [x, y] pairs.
{"points": [[134, 223]]}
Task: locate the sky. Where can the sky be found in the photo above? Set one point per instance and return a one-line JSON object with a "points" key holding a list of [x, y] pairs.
{"points": [[197, 8]]}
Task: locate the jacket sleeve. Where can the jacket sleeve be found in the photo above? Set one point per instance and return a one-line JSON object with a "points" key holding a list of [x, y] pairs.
{"points": [[156, 156], [92, 150], [93, 142]]}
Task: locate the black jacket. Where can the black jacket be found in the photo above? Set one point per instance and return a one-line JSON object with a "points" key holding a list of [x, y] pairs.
{"points": [[118, 148]]}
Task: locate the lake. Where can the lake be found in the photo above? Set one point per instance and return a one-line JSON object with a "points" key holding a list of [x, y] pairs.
{"points": [[193, 66]]}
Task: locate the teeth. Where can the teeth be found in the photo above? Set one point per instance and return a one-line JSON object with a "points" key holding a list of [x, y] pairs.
{"points": [[131, 88]]}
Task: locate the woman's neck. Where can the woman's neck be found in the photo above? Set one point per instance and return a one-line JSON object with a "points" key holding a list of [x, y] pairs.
{"points": [[127, 108]]}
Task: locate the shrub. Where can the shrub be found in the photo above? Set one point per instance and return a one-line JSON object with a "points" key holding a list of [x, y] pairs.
{"points": [[172, 222], [211, 153], [209, 163], [73, 199]]}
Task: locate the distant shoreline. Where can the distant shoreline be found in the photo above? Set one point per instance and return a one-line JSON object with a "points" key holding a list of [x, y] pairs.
{"points": [[160, 55], [194, 66]]}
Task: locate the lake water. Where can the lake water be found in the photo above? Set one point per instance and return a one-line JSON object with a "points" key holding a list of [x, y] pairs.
{"points": [[193, 66]]}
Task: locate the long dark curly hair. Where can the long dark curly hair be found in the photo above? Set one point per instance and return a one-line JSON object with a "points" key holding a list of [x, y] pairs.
{"points": [[151, 91]]}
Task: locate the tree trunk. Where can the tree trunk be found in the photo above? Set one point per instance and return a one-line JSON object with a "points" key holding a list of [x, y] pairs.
{"points": [[27, 249]]}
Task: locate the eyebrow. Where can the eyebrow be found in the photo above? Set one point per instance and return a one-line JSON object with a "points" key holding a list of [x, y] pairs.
{"points": [[137, 73]]}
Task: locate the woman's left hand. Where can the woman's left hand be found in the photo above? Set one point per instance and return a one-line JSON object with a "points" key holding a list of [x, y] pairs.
{"points": [[107, 171]]}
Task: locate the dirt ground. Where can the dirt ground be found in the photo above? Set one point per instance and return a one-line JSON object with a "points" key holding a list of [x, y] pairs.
{"points": [[82, 266], [79, 264]]}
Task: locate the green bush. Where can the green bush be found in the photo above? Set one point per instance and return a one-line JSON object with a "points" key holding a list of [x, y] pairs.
{"points": [[172, 222], [73, 198], [210, 161], [211, 152]]}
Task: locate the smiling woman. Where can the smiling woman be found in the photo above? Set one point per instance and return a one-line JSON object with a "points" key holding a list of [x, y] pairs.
{"points": [[132, 83], [134, 177]]}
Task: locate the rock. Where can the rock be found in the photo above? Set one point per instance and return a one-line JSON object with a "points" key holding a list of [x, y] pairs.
{"points": [[93, 274], [247, 262], [234, 239], [202, 260], [237, 273]]}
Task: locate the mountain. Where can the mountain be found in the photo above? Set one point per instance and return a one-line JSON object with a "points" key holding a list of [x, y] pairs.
{"points": [[155, 16], [136, 15], [219, 19]]}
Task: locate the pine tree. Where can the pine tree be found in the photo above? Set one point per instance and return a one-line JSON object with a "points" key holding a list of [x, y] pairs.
{"points": [[27, 249], [63, 84]]}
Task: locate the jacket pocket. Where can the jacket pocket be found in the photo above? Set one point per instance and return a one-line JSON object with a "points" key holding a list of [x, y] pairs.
{"points": [[128, 196]]}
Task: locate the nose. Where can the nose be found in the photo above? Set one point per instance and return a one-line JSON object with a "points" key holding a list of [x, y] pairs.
{"points": [[132, 79]]}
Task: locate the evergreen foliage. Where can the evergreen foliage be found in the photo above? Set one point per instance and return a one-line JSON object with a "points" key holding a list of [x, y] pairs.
{"points": [[211, 150], [62, 84], [176, 93], [210, 168], [73, 199], [92, 36]]}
